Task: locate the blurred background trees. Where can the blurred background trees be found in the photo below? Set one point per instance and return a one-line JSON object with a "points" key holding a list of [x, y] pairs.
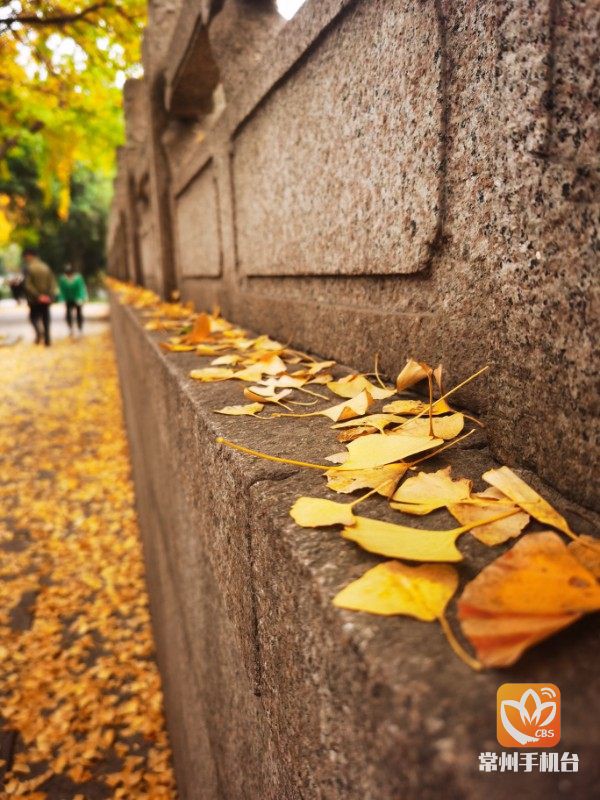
{"points": [[62, 67]]}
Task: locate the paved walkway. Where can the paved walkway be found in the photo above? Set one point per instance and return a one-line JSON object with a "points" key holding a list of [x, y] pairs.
{"points": [[15, 325], [80, 698]]}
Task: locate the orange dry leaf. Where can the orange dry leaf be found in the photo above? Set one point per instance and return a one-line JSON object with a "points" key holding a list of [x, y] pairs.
{"points": [[200, 332], [586, 550], [523, 495], [524, 596]]}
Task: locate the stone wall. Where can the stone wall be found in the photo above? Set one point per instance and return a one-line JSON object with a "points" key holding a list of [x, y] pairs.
{"points": [[271, 692], [414, 177]]}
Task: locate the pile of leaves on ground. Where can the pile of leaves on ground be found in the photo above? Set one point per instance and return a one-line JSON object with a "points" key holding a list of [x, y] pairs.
{"points": [[81, 703], [545, 582]]}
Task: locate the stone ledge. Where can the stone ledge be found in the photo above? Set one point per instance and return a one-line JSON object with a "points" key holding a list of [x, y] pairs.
{"points": [[271, 692]]}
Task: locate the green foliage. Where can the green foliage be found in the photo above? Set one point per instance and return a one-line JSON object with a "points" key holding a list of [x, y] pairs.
{"points": [[80, 238], [62, 66]]}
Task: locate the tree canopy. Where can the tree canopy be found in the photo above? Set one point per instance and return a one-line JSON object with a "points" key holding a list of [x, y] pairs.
{"points": [[62, 67]]}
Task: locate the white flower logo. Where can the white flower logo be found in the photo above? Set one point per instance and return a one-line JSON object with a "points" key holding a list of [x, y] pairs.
{"points": [[532, 718]]}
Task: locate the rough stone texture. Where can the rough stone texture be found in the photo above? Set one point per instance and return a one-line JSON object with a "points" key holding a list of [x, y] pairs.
{"points": [[271, 692], [417, 178], [327, 177], [198, 235]]}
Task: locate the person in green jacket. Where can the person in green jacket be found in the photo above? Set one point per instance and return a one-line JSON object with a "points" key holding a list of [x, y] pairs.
{"points": [[40, 290], [73, 291]]}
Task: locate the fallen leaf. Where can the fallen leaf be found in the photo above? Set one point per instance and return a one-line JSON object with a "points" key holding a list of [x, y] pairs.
{"points": [[264, 394], [394, 588], [177, 348], [200, 332], [492, 501], [443, 427], [399, 541], [379, 449], [417, 407], [350, 434], [250, 410], [523, 495], [210, 374], [314, 512], [355, 407], [384, 479], [224, 361], [430, 490], [412, 372], [352, 385], [527, 594], [379, 421], [586, 550]]}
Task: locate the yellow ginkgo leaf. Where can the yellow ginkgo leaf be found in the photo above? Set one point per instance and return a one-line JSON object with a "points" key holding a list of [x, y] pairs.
{"points": [[349, 409], [430, 490], [225, 361], [250, 409], [314, 512], [265, 394], [523, 495], [384, 479], [210, 350], [412, 372], [399, 541], [378, 449], [177, 348], [411, 544], [351, 385], [209, 374], [482, 506], [443, 427], [350, 434], [417, 407], [394, 588], [251, 374], [379, 421]]}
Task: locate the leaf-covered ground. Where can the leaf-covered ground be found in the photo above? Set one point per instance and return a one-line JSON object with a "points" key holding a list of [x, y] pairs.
{"points": [[80, 696]]}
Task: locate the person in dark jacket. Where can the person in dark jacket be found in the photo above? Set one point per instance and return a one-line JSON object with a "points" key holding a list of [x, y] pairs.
{"points": [[74, 293], [40, 290]]}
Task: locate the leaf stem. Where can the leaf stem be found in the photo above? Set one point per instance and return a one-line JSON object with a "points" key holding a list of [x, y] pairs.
{"points": [[457, 646], [267, 457]]}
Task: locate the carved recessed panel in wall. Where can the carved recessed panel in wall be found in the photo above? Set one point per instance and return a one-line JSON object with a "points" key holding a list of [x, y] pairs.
{"points": [[339, 169], [198, 227]]}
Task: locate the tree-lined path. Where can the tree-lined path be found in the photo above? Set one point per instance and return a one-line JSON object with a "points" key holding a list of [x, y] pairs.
{"points": [[81, 703]]}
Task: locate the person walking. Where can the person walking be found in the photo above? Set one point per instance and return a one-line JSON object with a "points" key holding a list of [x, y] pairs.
{"points": [[40, 291], [73, 291]]}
